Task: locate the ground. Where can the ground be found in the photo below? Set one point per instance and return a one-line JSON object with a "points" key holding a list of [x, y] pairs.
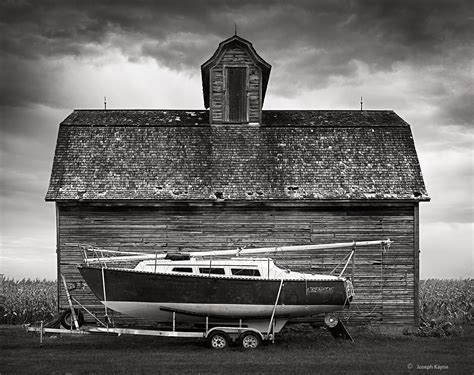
{"points": [[303, 350]]}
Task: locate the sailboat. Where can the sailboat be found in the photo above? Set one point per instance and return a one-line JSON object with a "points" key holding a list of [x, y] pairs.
{"points": [[222, 285]]}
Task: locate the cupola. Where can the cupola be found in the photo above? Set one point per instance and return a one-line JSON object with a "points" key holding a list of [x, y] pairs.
{"points": [[234, 83]]}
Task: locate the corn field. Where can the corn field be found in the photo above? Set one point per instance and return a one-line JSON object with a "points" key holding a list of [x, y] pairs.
{"points": [[445, 305], [27, 301]]}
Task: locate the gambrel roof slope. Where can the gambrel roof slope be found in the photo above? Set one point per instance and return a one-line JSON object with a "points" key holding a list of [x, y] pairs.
{"points": [[177, 155]]}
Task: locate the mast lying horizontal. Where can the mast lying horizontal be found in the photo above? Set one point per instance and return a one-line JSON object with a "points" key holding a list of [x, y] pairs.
{"points": [[263, 250]]}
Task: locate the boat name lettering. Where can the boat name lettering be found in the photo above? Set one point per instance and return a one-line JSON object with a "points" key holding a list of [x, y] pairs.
{"points": [[80, 285]]}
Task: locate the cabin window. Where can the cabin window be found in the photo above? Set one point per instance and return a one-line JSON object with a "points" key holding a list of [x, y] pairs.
{"points": [[245, 272], [236, 92], [183, 269], [214, 271]]}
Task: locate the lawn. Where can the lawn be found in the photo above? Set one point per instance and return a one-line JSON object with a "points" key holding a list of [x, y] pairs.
{"points": [[305, 350]]}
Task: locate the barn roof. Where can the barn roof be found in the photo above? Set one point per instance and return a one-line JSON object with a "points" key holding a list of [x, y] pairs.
{"points": [[292, 155]]}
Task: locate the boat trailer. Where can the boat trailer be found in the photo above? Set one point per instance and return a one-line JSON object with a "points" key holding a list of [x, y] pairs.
{"points": [[219, 337]]}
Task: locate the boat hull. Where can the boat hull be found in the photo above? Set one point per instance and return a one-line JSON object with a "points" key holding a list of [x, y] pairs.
{"points": [[155, 296]]}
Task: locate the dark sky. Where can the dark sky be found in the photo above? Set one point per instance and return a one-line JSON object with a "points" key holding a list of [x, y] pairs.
{"points": [[415, 57]]}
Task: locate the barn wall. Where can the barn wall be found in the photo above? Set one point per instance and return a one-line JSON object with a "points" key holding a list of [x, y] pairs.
{"points": [[384, 282], [235, 57]]}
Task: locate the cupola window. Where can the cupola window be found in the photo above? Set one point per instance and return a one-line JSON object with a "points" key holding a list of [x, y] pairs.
{"points": [[236, 94]]}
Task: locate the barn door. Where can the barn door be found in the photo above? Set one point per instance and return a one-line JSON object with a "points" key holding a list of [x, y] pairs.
{"points": [[236, 92]]}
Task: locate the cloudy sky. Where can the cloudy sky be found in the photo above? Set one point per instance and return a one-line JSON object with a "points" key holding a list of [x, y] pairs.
{"points": [[414, 57]]}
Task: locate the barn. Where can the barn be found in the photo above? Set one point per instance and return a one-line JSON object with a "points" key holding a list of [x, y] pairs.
{"points": [[233, 175]]}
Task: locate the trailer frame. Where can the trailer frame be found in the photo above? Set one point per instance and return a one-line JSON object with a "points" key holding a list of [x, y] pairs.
{"points": [[232, 334], [228, 334]]}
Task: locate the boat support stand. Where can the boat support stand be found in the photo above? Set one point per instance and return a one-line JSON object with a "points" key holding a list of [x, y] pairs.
{"points": [[336, 328], [271, 325]]}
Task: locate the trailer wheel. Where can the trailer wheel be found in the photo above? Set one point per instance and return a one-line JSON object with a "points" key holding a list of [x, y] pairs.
{"points": [[250, 340], [331, 320], [218, 340], [67, 321]]}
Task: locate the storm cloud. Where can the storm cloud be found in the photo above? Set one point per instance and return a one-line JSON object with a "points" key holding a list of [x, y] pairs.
{"points": [[307, 42], [411, 56]]}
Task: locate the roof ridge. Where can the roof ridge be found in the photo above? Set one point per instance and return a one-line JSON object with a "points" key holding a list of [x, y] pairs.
{"points": [[206, 110], [137, 109]]}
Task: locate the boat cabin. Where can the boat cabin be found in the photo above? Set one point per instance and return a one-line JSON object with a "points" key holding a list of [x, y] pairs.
{"points": [[233, 267]]}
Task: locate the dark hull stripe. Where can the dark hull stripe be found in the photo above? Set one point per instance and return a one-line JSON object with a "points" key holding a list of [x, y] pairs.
{"points": [[132, 286]]}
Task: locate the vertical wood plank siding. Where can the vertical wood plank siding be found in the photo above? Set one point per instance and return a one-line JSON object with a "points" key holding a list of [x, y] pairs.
{"points": [[416, 256], [384, 282]]}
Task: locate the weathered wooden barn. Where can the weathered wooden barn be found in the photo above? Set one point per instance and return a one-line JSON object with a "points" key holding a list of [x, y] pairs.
{"points": [[236, 175]]}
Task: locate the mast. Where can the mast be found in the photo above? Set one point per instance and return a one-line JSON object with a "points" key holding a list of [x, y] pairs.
{"points": [[99, 253]]}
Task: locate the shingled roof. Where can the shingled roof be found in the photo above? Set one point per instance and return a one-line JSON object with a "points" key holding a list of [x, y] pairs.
{"points": [[293, 155]]}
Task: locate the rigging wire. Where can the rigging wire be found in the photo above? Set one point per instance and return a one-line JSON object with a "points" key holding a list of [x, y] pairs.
{"points": [[355, 307]]}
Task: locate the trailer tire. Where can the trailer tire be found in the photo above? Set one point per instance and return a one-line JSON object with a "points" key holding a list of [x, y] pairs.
{"points": [[331, 320], [219, 340], [250, 340], [67, 321]]}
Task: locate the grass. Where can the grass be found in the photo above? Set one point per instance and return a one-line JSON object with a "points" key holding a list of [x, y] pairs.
{"points": [[306, 351]]}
